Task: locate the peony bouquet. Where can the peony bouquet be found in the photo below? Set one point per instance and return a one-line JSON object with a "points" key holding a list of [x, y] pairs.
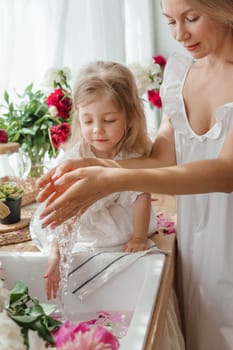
{"points": [[39, 120], [149, 78]]}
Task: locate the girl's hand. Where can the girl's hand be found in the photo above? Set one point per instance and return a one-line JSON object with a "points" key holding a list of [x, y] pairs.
{"points": [[52, 277], [135, 244]]}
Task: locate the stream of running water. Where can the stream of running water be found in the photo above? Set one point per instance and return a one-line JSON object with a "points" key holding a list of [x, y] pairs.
{"points": [[66, 236]]}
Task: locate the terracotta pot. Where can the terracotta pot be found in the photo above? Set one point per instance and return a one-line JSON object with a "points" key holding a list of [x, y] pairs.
{"points": [[15, 211]]}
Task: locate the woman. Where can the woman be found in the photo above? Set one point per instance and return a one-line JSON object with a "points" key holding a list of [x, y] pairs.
{"points": [[192, 157]]}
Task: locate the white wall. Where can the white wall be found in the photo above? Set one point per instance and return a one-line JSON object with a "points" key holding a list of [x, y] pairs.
{"points": [[164, 43], [139, 30]]}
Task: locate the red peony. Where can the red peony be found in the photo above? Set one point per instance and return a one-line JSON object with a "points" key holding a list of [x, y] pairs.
{"points": [[3, 136], [59, 134], [61, 101], [154, 98], [160, 60]]}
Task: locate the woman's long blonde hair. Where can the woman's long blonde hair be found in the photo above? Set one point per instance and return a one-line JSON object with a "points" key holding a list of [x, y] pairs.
{"points": [[219, 10], [114, 80]]}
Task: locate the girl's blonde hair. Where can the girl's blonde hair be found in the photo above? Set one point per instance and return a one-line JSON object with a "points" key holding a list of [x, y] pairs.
{"points": [[114, 80], [219, 10]]}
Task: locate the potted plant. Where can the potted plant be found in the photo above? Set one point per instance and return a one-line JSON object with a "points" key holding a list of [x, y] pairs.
{"points": [[11, 195]]}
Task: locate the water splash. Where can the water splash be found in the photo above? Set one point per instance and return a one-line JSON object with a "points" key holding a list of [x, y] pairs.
{"points": [[66, 236]]}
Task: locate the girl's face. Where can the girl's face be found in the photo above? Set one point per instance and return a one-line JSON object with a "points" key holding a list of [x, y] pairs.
{"points": [[103, 126], [197, 32]]}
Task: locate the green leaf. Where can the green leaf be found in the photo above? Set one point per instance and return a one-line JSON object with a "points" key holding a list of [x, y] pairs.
{"points": [[28, 313], [6, 97], [18, 293], [11, 190], [24, 320], [42, 331], [48, 308], [36, 309]]}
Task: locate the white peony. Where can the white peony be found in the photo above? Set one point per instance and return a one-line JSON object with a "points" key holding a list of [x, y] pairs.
{"points": [[53, 111], [56, 74], [141, 77], [147, 76], [10, 334]]}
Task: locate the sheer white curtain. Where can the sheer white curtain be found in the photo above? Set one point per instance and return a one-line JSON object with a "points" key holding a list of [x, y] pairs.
{"points": [[35, 35], [139, 30], [38, 34], [141, 44]]}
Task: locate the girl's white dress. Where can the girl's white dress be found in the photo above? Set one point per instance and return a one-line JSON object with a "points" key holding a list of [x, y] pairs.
{"points": [[204, 225], [107, 224]]}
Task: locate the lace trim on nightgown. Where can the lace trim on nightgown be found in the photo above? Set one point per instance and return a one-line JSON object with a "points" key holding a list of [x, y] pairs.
{"points": [[175, 74]]}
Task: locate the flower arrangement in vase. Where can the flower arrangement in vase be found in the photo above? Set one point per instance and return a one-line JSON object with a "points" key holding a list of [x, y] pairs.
{"points": [[40, 119]]}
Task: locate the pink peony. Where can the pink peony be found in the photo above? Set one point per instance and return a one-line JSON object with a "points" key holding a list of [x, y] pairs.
{"points": [[67, 332], [104, 336], [84, 337], [166, 224]]}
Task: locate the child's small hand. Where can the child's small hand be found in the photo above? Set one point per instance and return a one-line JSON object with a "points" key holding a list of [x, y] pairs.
{"points": [[135, 244], [52, 277]]}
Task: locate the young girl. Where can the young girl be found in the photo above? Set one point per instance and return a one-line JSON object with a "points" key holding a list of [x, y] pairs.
{"points": [[108, 122]]}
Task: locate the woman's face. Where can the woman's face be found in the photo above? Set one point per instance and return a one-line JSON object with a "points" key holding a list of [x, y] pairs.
{"points": [[198, 33]]}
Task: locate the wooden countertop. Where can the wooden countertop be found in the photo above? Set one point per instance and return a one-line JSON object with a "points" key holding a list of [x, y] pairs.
{"points": [[162, 204], [167, 242]]}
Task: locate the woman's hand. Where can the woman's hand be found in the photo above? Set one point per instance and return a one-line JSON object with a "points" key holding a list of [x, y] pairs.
{"points": [[46, 182], [72, 193]]}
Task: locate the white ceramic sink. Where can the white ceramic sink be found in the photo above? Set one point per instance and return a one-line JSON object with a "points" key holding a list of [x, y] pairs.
{"points": [[135, 289]]}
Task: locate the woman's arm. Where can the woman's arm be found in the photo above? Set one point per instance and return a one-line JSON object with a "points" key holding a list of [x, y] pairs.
{"points": [[93, 183], [163, 154]]}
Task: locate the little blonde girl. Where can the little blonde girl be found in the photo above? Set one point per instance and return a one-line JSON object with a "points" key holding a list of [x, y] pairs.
{"points": [[108, 122]]}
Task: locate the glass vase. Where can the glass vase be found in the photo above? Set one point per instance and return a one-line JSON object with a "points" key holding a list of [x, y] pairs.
{"points": [[158, 117], [36, 155]]}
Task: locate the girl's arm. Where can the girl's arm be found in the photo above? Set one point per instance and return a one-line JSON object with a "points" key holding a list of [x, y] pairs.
{"points": [[52, 274], [141, 219]]}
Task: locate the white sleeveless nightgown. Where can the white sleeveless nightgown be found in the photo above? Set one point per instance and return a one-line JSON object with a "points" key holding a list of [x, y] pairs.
{"points": [[204, 225]]}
